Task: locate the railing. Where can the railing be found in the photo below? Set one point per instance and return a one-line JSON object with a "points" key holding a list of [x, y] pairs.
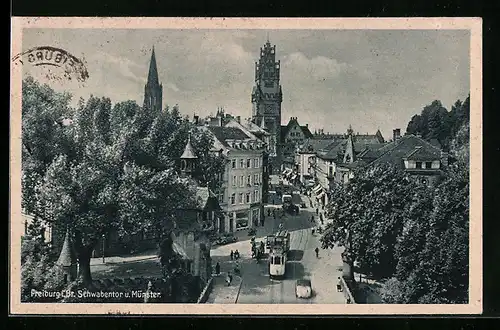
{"points": [[206, 292], [347, 291]]}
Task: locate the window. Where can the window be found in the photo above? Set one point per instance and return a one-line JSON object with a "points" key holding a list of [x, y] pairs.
{"points": [[249, 180], [241, 198], [233, 163], [418, 165], [249, 163], [234, 181], [242, 163], [221, 196], [242, 181], [233, 198], [256, 179], [260, 178], [256, 163], [248, 198], [330, 171], [277, 260], [256, 196], [428, 164]]}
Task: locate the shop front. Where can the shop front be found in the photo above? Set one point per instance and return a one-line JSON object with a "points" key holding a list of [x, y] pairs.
{"points": [[241, 220]]}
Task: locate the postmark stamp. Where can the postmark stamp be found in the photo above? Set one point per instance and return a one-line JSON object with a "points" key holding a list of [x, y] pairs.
{"points": [[58, 64]]}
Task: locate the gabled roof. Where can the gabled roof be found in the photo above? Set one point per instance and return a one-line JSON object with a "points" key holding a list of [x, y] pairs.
{"points": [[332, 151], [306, 131], [206, 198], [395, 151], [227, 133], [254, 128], [423, 154], [293, 121], [313, 145]]}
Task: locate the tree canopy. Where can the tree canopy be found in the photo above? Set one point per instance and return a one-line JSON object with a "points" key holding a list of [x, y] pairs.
{"points": [[437, 123], [112, 168]]}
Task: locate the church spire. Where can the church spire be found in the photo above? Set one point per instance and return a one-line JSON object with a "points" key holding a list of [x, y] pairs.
{"points": [[153, 91], [153, 70]]}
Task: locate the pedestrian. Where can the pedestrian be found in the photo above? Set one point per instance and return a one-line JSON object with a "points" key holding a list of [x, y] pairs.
{"points": [[232, 255], [339, 284], [317, 252], [317, 211], [217, 268]]}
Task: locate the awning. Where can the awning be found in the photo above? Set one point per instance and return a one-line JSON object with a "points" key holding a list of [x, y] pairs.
{"points": [[316, 189], [321, 195]]}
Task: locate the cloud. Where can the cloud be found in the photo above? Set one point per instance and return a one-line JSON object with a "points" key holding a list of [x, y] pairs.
{"points": [[123, 65], [319, 67]]}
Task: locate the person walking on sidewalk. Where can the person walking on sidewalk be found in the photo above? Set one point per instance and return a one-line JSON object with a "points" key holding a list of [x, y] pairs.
{"points": [[317, 252], [231, 255], [217, 268]]}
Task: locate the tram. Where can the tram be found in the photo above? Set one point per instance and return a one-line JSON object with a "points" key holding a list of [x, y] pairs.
{"points": [[277, 263], [278, 246]]}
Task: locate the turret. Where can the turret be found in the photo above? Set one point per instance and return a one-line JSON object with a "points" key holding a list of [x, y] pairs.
{"points": [[188, 159], [67, 260]]}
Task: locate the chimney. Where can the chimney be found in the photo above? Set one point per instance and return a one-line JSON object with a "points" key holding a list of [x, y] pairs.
{"points": [[196, 120], [307, 125], [238, 119], [396, 134]]}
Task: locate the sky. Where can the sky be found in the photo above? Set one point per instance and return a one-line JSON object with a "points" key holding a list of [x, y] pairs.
{"points": [[370, 79]]}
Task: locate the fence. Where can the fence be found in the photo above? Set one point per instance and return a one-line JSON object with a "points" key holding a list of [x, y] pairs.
{"points": [[206, 292], [347, 288]]}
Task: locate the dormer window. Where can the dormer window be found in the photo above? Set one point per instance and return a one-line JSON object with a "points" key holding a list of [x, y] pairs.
{"points": [[428, 164], [418, 165]]}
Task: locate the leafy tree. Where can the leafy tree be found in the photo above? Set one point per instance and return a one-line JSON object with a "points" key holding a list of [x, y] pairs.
{"points": [[111, 170], [437, 123]]}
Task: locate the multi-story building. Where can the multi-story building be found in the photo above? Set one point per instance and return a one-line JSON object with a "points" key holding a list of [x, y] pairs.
{"points": [[421, 160], [306, 158], [292, 136], [266, 102], [241, 191]]}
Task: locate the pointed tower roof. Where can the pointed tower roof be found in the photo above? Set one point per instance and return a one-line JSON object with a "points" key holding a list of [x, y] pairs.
{"points": [[153, 70], [188, 150], [349, 155], [67, 256]]}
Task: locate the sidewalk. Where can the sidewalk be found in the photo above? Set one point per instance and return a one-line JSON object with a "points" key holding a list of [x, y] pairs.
{"points": [[124, 259], [223, 294]]}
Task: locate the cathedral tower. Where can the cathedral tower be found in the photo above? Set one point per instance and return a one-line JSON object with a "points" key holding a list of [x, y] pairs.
{"points": [[266, 100], [153, 91]]}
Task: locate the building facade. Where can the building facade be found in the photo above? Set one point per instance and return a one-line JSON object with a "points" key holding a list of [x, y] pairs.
{"points": [[293, 135], [242, 185], [266, 101]]}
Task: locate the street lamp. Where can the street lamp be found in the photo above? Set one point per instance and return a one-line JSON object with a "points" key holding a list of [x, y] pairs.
{"points": [[103, 245]]}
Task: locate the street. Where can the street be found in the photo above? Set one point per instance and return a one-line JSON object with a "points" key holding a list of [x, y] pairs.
{"points": [[256, 285]]}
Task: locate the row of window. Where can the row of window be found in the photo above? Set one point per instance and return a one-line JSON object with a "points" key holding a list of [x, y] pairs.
{"points": [[256, 163], [245, 198], [257, 179], [427, 165]]}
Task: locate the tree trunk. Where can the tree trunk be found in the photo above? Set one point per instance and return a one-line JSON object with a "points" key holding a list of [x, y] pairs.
{"points": [[84, 265]]}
